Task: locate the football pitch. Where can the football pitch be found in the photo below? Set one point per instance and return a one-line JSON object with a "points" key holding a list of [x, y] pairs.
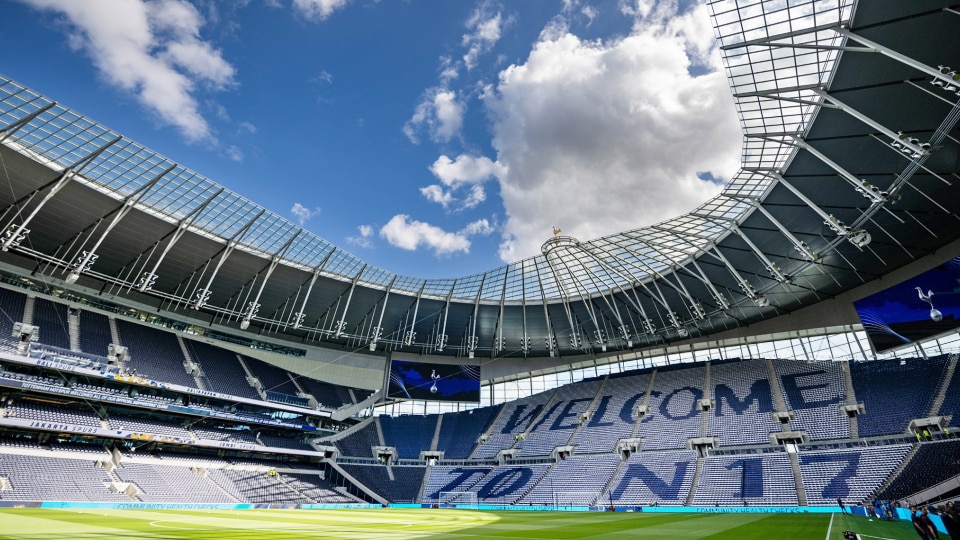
{"points": [[403, 524]]}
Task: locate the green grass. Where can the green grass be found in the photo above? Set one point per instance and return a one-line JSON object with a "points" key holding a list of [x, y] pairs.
{"points": [[403, 524]]}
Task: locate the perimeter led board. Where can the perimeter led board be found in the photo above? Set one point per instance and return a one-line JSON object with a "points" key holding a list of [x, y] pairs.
{"points": [[434, 382], [921, 307]]}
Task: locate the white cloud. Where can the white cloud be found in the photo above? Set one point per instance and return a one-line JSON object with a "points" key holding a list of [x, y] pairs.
{"points": [[365, 238], [604, 136], [481, 227], [441, 112], [303, 214], [437, 194], [404, 233], [485, 34], [410, 234], [151, 49], [465, 169], [476, 196], [234, 153], [318, 10]]}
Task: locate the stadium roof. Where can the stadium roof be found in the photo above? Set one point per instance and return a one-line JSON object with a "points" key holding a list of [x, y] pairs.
{"points": [[850, 153]]}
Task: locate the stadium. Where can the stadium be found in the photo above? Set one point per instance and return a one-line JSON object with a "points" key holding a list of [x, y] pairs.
{"points": [[179, 361]]}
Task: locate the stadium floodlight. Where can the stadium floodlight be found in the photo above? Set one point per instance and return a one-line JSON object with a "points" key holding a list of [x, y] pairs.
{"points": [[72, 278], [25, 334]]}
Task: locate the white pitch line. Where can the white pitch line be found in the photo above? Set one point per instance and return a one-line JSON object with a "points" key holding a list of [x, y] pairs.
{"points": [[154, 524], [830, 527], [880, 537]]}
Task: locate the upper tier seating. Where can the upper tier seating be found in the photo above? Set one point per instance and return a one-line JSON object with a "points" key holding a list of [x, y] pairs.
{"points": [[459, 431], [154, 353], [272, 378], [674, 414], [743, 400], [612, 416], [895, 393], [814, 392], [850, 474], [51, 318], [331, 396], [360, 442], [560, 419], [654, 477], [95, 335], [12, 304], [754, 480], [951, 400], [221, 370], [409, 434], [516, 417]]}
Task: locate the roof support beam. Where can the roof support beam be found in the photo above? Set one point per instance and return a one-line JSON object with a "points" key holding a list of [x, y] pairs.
{"points": [[147, 279], [342, 323], [201, 296], [442, 337], [377, 331], [14, 234], [254, 306], [873, 46], [411, 335], [298, 317], [86, 258], [12, 128]]}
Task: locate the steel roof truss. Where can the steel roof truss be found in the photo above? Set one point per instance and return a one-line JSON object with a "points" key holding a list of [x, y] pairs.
{"points": [[14, 234]]}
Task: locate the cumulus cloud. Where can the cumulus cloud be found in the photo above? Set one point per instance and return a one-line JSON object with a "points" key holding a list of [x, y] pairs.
{"points": [[465, 169], [437, 194], [476, 196], [303, 214], [440, 112], [151, 49], [318, 10], [604, 136], [365, 237], [409, 234]]}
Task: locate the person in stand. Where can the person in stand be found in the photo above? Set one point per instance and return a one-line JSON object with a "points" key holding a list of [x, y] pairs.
{"points": [[840, 504]]}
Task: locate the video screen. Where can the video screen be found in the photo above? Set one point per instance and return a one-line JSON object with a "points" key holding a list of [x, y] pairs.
{"points": [[434, 382], [921, 307]]}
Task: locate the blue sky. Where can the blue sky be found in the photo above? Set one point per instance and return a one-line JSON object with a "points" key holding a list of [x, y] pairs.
{"points": [[433, 138]]}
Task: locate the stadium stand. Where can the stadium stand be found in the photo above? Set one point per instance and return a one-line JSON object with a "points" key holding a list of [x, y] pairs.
{"points": [[12, 304], [674, 415], [814, 392], [653, 477], [408, 434], [933, 463], [612, 416], [576, 480], [515, 418], [35, 478], [51, 317], [222, 371], [399, 484], [895, 392], [754, 480], [743, 408], [849, 474], [94, 335], [560, 420], [358, 443], [460, 431], [154, 353], [272, 378]]}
